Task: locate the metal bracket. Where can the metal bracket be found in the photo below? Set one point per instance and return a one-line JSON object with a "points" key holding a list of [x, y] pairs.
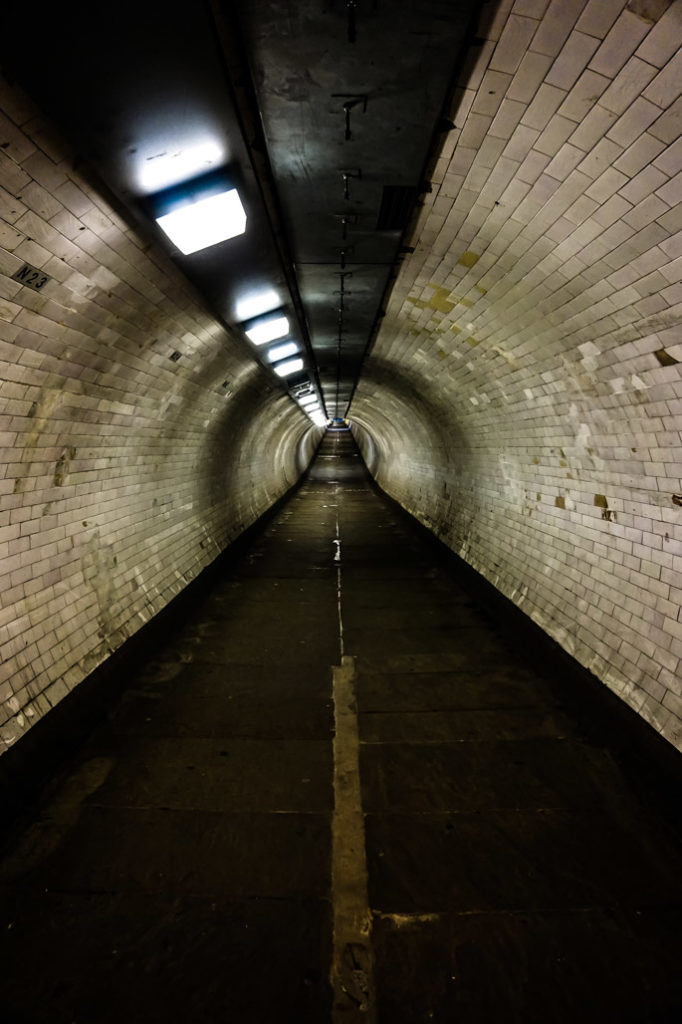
{"points": [[346, 219], [353, 99], [347, 175], [344, 251]]}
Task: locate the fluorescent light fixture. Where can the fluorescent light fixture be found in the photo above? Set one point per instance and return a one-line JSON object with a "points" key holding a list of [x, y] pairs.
{"points": [[289, 348], [268, 329], [257, 303], [308, 403], [319, 419], [200, 213], [288, 367], [205, 223]]}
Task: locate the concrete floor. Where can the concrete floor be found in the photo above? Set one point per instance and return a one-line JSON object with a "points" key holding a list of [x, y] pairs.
{"points": [[201, 859]]}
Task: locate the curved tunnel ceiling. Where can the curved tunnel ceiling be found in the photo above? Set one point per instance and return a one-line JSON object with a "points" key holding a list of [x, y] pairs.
{"points": [[343, 98]]}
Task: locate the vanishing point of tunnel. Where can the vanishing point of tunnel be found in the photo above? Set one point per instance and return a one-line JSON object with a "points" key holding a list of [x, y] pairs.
{"points": [[341, 512]]}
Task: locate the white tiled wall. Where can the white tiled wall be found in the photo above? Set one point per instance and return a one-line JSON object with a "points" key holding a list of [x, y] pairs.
{"points": [[123, 472], [524, 395]]}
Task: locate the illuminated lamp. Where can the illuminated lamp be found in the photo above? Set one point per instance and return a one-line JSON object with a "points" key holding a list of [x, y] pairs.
{"points": [[200, 213], [267, 328], [289, 348], [288, 367]]}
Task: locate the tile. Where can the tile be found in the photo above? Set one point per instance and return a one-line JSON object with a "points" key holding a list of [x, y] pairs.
{"points": [[500, 686], [463, 725], [176, 853], [663, 39], [236, 716], [220, 774], [555, 966], [541, 772], [598, 16], [530, 75], [622, 40], [376, 642], [572, 60], [124, 956], [640, 116], [515, 860], [513, 43], [556, 26]]}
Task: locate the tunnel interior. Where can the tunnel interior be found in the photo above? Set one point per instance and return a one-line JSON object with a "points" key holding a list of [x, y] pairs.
{"points": [[468, 219], [503, 333]]}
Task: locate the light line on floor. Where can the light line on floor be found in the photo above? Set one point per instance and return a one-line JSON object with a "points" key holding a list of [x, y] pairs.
{"points": [[337, 559], [352, 974]]}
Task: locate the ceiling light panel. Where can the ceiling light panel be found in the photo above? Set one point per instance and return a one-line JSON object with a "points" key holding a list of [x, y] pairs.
{"points": [[288, 367], [268, 329], [200, 213], [289, 348]]}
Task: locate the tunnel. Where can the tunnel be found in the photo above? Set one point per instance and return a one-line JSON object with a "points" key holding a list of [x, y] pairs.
{"points": [[341, 512]]}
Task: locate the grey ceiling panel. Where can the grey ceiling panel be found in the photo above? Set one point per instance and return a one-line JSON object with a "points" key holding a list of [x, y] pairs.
{"points": [[348, 127]]}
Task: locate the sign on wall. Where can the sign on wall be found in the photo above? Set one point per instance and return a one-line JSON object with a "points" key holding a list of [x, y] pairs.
{"points": [[31, 277]]}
